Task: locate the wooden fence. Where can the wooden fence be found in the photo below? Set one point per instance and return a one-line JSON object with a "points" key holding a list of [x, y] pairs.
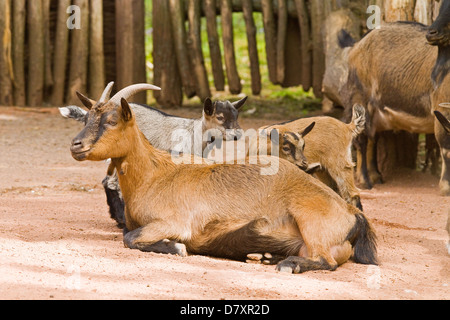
{"points": [[42, 61]]}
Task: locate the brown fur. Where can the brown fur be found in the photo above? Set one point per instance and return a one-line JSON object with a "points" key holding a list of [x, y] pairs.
{"points": [[400, 79], [328, 144], [222, 210]]}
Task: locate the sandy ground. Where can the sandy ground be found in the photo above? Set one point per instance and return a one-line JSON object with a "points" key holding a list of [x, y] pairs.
{"points": [[58, 242]]}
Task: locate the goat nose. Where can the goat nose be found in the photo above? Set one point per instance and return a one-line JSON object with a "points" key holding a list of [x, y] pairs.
{"points": [[77, 144], [432, 32]]}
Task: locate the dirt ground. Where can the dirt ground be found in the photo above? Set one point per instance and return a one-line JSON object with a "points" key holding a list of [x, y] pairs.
{"points": [[58, 242]]}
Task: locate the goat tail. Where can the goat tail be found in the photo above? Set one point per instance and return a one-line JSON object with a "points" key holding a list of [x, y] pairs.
{"points": [[358, 120], [363, 239]]}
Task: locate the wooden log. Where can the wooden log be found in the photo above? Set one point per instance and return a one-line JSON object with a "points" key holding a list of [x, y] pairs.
{"points": [[305, 35], [18, 53], [36, 62], [6, 68], [292, 55], [399, 10], [198, 60], [318, 66], [214, 46], [179, 38], [423, 12], [96, 51], [234, 81], [139, 57], [270, 35], [48, 80], [60, 55], [281, 40], [79, 54], [166, 72], [252, 46]]}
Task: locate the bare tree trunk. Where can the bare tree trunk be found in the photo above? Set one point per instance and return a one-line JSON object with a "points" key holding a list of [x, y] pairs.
{"points": [[234, 82], [166, 72], [36, 61], [252, 46], [179, 38], [60, 56], [214, 47], [96, 52], [79, 56], [18, 37], [270, 33], [197, 55]]}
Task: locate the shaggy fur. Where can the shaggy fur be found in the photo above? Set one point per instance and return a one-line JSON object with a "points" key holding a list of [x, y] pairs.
{"points": [[328, 144], [400, 80]]}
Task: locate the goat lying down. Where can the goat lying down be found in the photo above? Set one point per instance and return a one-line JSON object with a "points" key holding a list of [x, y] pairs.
{"points": [[222, 210], [326, 150], [165, 132]]}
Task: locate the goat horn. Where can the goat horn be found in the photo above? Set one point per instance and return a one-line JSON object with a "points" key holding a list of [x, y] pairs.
{"points": [[445, 105], [130, 91], [107, 93]]}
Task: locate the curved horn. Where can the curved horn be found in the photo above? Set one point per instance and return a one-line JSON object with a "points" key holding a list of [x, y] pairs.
{"points": [[130, 91], [107, 93], [445, 105]]}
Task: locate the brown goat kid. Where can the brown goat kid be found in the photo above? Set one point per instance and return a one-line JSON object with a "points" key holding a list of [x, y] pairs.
{"points": [[220, 210], [328, 145]]}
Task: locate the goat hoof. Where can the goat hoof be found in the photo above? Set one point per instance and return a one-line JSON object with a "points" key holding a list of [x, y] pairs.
{"points": [[288, 266]]}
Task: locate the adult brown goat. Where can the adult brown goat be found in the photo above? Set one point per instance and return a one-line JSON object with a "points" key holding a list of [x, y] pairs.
{"points": [[221, 210], [402, 81]]}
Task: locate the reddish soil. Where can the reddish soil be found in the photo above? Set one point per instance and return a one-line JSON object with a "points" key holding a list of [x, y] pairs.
{"points": [[58, 242]]}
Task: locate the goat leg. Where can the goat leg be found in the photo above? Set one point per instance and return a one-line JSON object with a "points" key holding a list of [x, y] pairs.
{"points": [[141, 239]]}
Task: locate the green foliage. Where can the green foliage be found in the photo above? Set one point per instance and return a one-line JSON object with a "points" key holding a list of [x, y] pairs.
{"points": [[290, 101]]}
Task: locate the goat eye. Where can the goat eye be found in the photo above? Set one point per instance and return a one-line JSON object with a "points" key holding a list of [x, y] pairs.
{"points": [[286, 149], [112, 123], [220, 118]]}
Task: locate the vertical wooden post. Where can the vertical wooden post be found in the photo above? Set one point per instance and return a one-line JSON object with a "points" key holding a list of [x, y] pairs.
{"points": [[252, 46], [36, 57], [130, 45], [234, 82], [281, 39], [197, 55], [318, 68], [214, 46], [18, 38], [6, 69], [270, 31], [166, 71], [79, 54], [48, 82], [179, 38], [96, 52], [60, 56], [303, 19]]}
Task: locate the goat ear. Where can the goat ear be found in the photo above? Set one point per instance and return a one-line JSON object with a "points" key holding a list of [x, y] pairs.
{"points": [[443, 120], [73, 112], [126, 110], [239, 104], [208, 107], [308, 129], [88, 103]]}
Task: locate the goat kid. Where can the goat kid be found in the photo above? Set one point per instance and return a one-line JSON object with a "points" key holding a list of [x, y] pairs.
{"points": [[327, 148], [289, 214], [175, 134]]}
